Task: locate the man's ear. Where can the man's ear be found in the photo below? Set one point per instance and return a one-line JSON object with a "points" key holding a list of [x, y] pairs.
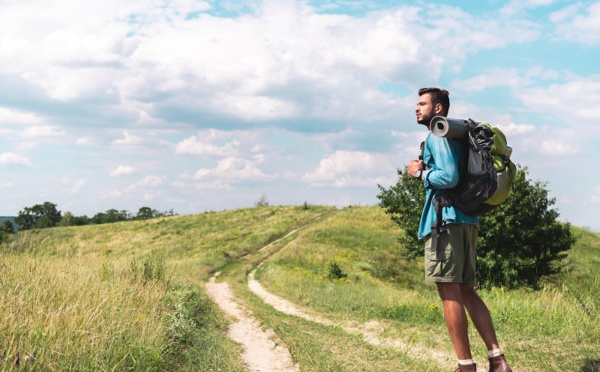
{"points": [[438, 109]]}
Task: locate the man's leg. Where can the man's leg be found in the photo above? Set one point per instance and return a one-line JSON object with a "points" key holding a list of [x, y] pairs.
{"points": [[456, 318], [480, 315]]}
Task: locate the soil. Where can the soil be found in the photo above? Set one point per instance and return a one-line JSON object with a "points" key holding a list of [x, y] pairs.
{"points": [[263, 351]]}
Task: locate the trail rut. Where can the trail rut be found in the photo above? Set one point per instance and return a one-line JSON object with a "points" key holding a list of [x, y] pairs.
{"points": [[262, 350]]}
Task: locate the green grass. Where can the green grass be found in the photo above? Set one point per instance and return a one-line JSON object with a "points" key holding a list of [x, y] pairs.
{"points": [[557, 327], [130, 296]]}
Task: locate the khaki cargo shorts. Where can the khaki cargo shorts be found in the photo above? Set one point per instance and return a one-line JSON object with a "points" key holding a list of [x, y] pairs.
{"points": [[455, 259]]}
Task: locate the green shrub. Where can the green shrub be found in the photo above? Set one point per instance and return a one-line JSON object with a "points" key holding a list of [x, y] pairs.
{"points": [[334, 271], [519, 243]]}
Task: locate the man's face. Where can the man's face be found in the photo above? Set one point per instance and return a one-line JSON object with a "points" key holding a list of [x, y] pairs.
{"points": [[425, 110]]}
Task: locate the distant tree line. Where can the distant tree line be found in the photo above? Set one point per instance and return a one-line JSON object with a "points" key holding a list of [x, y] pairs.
{"points": [[46, 215]]}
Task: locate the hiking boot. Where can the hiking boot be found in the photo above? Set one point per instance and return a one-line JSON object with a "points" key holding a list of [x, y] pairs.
{"points": [[499, 364], [466, 368]]}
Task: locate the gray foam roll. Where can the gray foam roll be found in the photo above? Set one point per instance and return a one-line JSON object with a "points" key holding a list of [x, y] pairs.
{"points": [[448, 127]]}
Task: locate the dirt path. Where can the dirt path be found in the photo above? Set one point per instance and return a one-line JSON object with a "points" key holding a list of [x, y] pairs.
{"points": [[279, 303], [263, 351], [369, 331]]}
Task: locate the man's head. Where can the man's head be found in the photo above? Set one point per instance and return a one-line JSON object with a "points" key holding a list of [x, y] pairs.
{"points": [[432, 102]]}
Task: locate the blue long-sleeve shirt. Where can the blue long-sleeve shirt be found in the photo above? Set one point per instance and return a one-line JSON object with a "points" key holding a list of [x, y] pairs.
{"points": [[441, 157]]}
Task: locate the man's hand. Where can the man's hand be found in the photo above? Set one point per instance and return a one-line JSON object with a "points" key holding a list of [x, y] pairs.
{"points": [[413, 166]]}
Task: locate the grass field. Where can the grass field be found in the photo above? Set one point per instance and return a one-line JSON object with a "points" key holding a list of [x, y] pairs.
{"points": [[130, 296]]}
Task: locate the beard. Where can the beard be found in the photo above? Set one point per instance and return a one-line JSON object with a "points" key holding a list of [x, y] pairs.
{"points": [[425, 120]]}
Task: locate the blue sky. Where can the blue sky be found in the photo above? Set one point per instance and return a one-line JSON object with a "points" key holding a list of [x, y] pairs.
{"points": [[209, 105]]}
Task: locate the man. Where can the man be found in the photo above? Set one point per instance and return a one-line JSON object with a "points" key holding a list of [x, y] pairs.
{"points": [[452, 264]]}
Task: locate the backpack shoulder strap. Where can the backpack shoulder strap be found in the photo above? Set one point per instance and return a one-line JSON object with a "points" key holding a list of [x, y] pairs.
{"points": [[438, 227]]}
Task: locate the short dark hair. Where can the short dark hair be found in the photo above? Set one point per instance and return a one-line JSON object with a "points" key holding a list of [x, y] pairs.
{"points": [[438, 96]]}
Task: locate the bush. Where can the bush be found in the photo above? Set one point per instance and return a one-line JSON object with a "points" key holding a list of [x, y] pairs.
{"points": [[404, 202], [522, 240], [334, 271], [519, 243]]}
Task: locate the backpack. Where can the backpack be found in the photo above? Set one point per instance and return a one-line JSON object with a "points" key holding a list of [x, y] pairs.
{"points": [[486, 177]]}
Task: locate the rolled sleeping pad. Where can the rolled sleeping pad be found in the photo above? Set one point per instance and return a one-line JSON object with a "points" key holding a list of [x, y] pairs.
{"points": [[448, 127]]}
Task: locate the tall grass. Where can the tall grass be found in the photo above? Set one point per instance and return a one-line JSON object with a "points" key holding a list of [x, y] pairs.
{"points": [[556, 328], [56, 310], [129, 295]]}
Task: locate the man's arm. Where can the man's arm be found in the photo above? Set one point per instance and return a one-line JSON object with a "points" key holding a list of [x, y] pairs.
{"points": [[445, 173]]}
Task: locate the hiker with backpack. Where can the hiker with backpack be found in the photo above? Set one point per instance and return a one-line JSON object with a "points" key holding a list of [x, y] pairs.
{"points": [[450, 236]]}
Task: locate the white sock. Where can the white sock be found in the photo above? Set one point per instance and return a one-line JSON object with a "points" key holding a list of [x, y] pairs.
{"points": [[466, 362], [494, 353]]}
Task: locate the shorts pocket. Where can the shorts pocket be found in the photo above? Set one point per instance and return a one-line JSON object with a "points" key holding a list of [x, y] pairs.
{"points": [[440, 254], [437, 263]]}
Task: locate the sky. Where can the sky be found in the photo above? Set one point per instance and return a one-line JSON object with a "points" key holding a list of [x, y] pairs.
{"points": [[196, 106]]}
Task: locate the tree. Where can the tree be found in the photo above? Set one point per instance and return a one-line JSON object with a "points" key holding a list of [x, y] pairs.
{"points": [[39, 216], [146, 213], [6, 229], [519, 242], [69, 219], [99, 218], [66, 219], [262, 202], [7, 226], [80, 220], [522, 240], [404, 203], [110, 216]]}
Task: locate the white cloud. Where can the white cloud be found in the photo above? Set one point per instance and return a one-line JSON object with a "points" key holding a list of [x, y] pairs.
{"points": [[123, 170], [516, 6], [210, 144], [78, 185], [554, 144], [578, 23], [150, 181], [149, 187], [557, 147], [26, 145], [502, 77], [596, 195], [83, 141], [140, 72], [513, 129], [351, 169], [128, 139], [42, 131], [11, 116], [232, 169], [151, 195], [123, 53], [112, 194], [560, 99], [9, 158]]}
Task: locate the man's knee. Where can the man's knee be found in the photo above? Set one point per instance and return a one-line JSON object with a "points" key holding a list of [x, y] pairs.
{"points": [[468, 294], [449, 291]]}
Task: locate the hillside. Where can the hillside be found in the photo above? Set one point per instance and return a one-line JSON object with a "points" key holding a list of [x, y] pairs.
{"points": [[132, 295]]}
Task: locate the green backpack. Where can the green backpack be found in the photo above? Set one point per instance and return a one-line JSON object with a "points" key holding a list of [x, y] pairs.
{"points": [[504, 167], [487, 175]]}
